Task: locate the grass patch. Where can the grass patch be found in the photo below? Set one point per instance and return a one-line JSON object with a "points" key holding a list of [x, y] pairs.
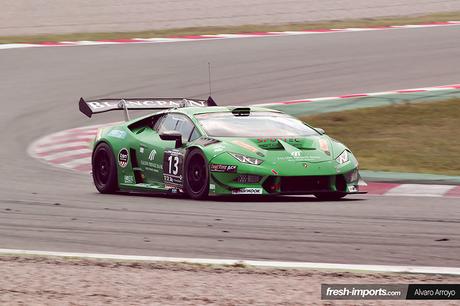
{"points": [[351, 23], [415, 137]]}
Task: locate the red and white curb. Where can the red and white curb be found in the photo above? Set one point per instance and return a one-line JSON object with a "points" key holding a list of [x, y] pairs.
{"points": [[69, 149], [186, 38], [364, 95], [252, 263]]}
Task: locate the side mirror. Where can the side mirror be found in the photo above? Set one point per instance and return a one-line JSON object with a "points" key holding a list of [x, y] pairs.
{"points": [[320, 130], [172, 135]]}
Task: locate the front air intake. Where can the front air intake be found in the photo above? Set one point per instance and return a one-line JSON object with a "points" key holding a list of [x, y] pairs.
{"points": [[305, 184]]}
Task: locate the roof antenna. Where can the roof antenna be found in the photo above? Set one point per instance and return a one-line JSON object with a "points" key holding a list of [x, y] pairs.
{"points": [[210, 101], [209, 77]]}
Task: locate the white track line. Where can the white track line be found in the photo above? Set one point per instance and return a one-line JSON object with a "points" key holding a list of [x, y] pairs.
{"points": [[419, 190], [253, 263]]}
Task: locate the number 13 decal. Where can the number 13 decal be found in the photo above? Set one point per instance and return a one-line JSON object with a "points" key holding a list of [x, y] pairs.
{"points": [[173, 162], [172, 167]]}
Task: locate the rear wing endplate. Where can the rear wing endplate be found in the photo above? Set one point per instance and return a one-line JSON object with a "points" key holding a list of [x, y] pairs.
{"points": [[90, 107]]}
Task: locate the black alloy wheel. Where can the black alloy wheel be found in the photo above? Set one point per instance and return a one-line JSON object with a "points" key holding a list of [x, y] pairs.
{"points": [[196, 182], [104, 169]]}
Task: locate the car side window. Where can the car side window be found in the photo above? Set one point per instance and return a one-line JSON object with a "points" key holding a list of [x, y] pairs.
{"points": [[195, 134], [179, 123], [167, 123]]}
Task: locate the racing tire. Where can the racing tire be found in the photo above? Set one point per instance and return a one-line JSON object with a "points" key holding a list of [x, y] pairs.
{"points": [[196, 175], [334, 196], [104, 169]]}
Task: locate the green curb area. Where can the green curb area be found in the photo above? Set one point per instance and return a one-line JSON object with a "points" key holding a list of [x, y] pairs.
{"points": [[415, 178], [341, 104]]}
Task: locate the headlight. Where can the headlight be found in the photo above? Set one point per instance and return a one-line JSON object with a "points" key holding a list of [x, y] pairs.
{"points": [[343, 158], [246, 159]]}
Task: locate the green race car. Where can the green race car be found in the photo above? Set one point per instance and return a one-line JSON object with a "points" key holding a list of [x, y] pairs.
{"points": [[201, 149]]}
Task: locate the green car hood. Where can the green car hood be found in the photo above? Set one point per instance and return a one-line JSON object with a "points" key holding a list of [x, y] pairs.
{"points": [[312, 155], [312, 149]]}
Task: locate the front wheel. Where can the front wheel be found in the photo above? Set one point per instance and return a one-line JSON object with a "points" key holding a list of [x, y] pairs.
{"points": [[104, 169], [196, 178], [333, 196]]}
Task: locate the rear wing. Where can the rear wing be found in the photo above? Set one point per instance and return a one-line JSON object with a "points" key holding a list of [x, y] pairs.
{"points": [[91, 107]]}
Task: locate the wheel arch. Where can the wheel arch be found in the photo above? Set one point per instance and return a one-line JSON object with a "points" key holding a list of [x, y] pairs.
{"points": [[97, 143], [198, 147], [102, 140]]}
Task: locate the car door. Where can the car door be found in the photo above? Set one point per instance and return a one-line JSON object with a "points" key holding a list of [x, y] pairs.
{"points": [[164, 161]]}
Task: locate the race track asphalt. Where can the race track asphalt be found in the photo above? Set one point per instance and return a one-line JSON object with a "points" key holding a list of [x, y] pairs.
{"points": [[44, 208]]}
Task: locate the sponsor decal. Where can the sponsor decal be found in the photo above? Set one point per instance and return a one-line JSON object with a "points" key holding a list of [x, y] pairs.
{"points": [[212, 187], [247, 191], [296, 154], [123, 158], [101, 105], [117, 134], [298, 158], [152, 155], [149, 166], [173, 188], [275, 139], [141, 149], [223, 168], [274, 172], [129, 179], [352, 189], [245, 145]]}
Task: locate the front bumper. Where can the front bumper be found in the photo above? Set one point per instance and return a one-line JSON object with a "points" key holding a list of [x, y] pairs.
{"points": [[228, 184]]}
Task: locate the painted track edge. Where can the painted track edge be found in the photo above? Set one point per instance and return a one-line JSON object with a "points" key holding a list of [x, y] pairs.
{"points": [[250, 263]]}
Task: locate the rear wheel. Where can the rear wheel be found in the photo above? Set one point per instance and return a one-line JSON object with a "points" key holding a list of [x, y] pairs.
{"points": [[334, 196], [104, 169], [196, 180]]}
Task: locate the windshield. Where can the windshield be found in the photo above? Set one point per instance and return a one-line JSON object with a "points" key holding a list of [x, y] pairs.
{"points": [[257, 124]]}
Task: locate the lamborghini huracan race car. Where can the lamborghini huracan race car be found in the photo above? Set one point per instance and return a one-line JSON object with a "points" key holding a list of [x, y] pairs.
{"points": [[201, 149]]}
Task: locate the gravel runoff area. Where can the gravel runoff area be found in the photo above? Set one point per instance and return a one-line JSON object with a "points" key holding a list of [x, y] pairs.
{"points": [[28, 280], [24, 17]]}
